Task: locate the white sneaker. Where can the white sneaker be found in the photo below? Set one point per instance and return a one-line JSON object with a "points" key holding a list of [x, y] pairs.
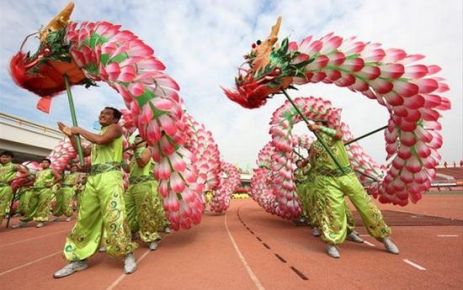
{"points": [[316, 232], [390, 246], [130, 264], [332, 251], [40, 225], [70, 269], [167, 230], [353, 237], [102, 249], [68, 219], [154, 245]]}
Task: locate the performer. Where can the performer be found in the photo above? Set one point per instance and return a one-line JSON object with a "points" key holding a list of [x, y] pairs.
{"points": [[41, 196], [143, 202], [332, 183], [102, 205], [65, 194], [7, 174]]}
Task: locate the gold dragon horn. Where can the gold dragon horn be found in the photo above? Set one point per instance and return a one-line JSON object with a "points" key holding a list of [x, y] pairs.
{"points": [[58, 22], [263, 50]]}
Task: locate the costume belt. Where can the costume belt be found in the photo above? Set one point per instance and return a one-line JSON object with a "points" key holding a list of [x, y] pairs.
{"points": [[140, 179], [105, 167], [334, 172]]}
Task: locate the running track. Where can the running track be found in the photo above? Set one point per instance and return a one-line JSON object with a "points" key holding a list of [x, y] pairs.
{"points": [[249, 249]]}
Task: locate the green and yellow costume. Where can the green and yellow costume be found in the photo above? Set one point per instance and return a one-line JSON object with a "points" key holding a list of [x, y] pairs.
{"points": [[143, 202], [102, 208], [7, 174], [332, 184], [25, 194], [65, 195], [41, 196]]}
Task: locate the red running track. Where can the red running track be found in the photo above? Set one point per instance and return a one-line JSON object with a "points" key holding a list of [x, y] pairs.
{"points": [[249, 249]]}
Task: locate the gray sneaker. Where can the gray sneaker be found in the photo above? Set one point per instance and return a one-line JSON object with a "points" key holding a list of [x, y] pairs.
{"points": [[154, 245], [316, 232], [71, 268], [21, 224], [130, 264], [353, 237], [390, 246], [332, 251]]}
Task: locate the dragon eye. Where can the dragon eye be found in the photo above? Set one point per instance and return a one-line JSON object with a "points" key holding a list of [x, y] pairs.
{"points": [[258, 42]]}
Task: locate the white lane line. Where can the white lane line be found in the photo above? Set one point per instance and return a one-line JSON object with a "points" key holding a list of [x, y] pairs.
{"points": [[368, 243], [414, 264], [34, 238], [243, 260], [447, 236], [364, 235], [121, 277], [30, 263]]}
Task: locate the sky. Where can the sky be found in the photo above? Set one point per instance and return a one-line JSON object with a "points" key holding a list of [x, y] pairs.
{"points": [[202, 43]]}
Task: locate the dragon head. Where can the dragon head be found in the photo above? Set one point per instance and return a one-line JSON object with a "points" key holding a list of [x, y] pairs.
{"points": [[43, 72], [271, 68]]}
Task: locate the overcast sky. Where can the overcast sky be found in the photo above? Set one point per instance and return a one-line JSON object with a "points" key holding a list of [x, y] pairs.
{"points": [[202, 43]]}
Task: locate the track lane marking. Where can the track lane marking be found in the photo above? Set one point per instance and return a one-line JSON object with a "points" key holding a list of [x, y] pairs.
{"points": [[447, 236], [30, 263], [243, 260], [34, 238], [368, 243], [415, 265], [122, 276]]}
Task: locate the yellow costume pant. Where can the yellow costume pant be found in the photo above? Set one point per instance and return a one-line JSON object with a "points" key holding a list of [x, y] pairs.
{"points": [[334, 217], [144, 209], [64, 202], [101, 208], [39, 205], [6, 194]]}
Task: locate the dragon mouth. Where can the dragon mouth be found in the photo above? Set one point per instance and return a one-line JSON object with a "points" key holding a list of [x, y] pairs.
{"points": [[44, 72], [253, 92]]}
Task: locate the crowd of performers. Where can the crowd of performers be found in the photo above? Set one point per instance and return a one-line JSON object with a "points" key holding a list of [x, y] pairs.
{"points": [[109, 217], [321, 188]]}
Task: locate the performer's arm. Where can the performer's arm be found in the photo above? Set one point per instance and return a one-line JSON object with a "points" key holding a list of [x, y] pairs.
{"points": [[56, 175], [68, 132], [114, 131], [143, 158], [335, 134], [21, 169]]}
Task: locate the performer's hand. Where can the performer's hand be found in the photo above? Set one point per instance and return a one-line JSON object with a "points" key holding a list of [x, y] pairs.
{"points": [[314, 127], [75, 130], [65, 129]]}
